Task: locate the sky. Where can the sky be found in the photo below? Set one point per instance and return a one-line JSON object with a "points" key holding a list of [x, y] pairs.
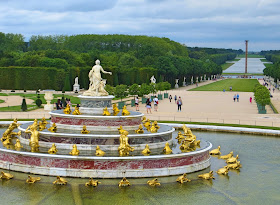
{"points": [[201, 23]]}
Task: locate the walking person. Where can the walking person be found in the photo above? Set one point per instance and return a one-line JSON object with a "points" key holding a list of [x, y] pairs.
{"points": [[237, 97], [155, 103], [148, 106], [137, 103], [250, 99], [179, 103], [175, 98], [234, 97], [170, 98]]}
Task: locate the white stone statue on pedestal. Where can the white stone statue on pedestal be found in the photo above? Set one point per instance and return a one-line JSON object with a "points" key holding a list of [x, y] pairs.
{"points": [[153, 79], [192, 80], [196, 80], [76, 86], [201, 78], [184, 82], [204, 77], [176, 83], [96, 85]]}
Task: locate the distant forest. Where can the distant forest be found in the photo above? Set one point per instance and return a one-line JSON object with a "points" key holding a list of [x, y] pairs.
{"points": [[53, 62], [274, 69]]}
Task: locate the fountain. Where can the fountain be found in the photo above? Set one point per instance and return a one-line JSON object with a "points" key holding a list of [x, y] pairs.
{"points": [[101, 142]]}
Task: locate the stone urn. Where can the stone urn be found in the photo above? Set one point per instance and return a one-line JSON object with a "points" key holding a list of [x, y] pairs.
{"points": [[48, 97]]}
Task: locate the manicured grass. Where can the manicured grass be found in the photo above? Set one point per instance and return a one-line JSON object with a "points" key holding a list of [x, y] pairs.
{"points": [[242, 73], [236, 59], [250, 56], [226, 65], [238, 85], [264, 60], [17, 108], [1, 101], [267, 65]]}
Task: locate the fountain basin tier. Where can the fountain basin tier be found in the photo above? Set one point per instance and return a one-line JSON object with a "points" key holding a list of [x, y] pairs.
{"points": [[97, 122], [91, 105], [105, 167]]}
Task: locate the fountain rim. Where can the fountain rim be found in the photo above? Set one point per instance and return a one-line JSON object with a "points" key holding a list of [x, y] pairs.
{"points": [[96, 97], [151, 157]]}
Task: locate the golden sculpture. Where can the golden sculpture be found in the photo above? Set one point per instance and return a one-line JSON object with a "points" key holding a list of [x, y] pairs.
{"points": [[153, 182], [207, 175], [120, 129], [180, 137], [8, 134], [59, 180], [42, 126], [7, 142], [53, 149], [215, 151], [76, 111], [75, 151], [44, 121], [124, 147], [84, 130], [182, 179], [223, 171], [53, 128], [185, 146], [232, 160], [34, 138], [167, 149], [124, 182], [144, 120], [18, 145], [99, 152], [156, 124], [146, 151], [229, 155], [125, 111], [92, 182], [236, 165], [147, 124], [106, 112], [115, 109], [194, 143], [154, 128], [67, 110], [32, 180], [140, 129], [6, 175]]}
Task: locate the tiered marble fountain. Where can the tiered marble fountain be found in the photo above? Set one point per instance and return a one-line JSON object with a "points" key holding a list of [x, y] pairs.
{"points": [[105, 134]]}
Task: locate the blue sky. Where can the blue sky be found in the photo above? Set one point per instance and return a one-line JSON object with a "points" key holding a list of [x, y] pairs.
{"points": [[202, 23]]}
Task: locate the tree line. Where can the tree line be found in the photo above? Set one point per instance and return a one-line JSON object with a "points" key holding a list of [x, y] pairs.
{"points": [[131, 59], [274, 69]]}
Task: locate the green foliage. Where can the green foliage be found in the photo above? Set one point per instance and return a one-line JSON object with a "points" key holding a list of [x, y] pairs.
{"points": [[23, 105], [134, 89], [110, 89], [166, 85], [63, 101], [262, 95], [38, 101], [145, 89], [121, 91]]}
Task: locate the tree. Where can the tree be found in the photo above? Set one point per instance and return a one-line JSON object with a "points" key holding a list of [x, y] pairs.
{"points": [[262, 96], [23, 105], [166, 85], [145, 89], [134, 90], [121, 91], [38, 101], [110, 89]]}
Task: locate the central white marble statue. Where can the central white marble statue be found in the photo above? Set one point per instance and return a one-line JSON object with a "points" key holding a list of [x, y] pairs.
{"points": [[96, 85]]}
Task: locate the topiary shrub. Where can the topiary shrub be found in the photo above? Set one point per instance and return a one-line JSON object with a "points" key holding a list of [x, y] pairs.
{"points": [[38, 101], [23, 105]]}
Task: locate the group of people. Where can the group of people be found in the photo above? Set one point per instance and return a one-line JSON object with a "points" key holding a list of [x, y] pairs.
{"points": [[178, 101], [149, 104], [59, 104], [236, 97]]}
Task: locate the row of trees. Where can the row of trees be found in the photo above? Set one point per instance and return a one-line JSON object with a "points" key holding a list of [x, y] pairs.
{"points": [[272, 70], [262, 97]]}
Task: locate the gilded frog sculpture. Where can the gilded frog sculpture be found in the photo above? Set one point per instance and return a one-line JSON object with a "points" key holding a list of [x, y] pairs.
{"points": [[92, 182], [167, 149], [182, 179], [53, 149], [59, 180], [146, 151], [140, 129], [84, 130], [125, 111], [32, 180], [153, 182], [124, 182], [99, 152], [216, 151], [106, 112]]}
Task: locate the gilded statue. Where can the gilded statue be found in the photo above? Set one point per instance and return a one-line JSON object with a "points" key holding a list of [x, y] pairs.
{"points": [[34, 138], [232, 160], [125, 111], [75, 151], [124, 147], [216, 151], [140, 129], [99, 152], [153, 182], [44, 121], [185, 146], [223, 171], [207, 175], [6, 175], [121, 129], [146, 151], [147, 124], [59, 180], [34, 124], [32, 180], [144, 119], [76, 111], [106, 112], [84, 130], [53, 128], [124, 182], [236, 165], [154, 128], [96, 86], [229, 155], [8, 134], [67, 110], [167, 149], [18, 145], [115, 109], [182, 179], [156, 125], [53, 149], [92, 182], [180, 137], [42, 126]]}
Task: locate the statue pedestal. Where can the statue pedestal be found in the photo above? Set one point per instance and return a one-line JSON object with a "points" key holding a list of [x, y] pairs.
{"points": [[76, 88], [176, 86], [94, 105], [184, 84], [48, 107]]}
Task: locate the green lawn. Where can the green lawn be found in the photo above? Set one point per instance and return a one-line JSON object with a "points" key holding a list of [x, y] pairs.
{"points": [[1, 101], [236, 59], [238, 85], [251, 56], [17, 108], [226, 65], [264, 60]]}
